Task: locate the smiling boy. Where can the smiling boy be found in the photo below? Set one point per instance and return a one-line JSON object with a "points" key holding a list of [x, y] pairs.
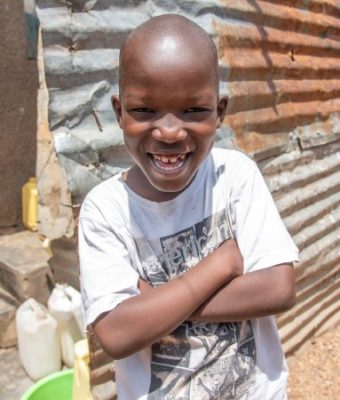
{"points": [[184, 257]]}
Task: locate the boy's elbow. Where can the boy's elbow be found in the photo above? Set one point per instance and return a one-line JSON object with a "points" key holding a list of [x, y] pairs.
{"points": [[116, 350], [288, 300], [287, 288], [115, 347], [284, 288], [113, 339]]}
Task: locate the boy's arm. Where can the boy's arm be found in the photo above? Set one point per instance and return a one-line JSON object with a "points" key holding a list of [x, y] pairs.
{"points": [[142, 320], [253, 295], [257, 294], [267, 286]]}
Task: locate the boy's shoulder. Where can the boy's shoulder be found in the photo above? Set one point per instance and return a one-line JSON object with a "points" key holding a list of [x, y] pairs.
{"points": [[109, 187], [104, 196], [232, 158]]}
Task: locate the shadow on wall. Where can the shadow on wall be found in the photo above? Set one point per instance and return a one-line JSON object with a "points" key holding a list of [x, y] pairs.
{"points": [[18, 114]]}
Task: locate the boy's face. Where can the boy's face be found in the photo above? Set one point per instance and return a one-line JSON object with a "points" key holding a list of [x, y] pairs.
{"points": [[168, 110]]}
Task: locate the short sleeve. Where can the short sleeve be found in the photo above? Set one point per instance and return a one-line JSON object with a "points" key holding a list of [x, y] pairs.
{"points": [[106, 275], [261, 235]]}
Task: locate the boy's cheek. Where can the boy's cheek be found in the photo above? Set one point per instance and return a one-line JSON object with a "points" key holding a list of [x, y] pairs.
{"points": [[133, 128]]}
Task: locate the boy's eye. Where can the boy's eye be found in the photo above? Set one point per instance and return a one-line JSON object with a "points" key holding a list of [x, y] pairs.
{"points": [[142, 110], [195, 110]]}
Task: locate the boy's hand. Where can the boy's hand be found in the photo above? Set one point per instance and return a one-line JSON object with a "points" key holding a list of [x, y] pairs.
{"points": [[228, 260], [140, 321]]}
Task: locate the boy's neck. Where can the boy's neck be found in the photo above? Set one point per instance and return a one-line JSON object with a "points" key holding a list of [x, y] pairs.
{"points": [[138, 183]]}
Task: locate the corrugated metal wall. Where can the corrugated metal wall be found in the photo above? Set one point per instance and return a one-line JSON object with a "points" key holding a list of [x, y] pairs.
{"points": [[280, 65]]}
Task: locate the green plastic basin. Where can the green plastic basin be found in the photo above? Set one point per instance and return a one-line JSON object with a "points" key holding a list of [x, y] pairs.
{"points": [[57, 386]]}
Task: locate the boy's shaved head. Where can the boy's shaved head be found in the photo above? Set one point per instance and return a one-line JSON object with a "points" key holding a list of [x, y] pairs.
{"points": [[168, 106], [168, 39]]}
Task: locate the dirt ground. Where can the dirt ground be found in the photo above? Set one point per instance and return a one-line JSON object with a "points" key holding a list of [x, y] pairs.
{"points": [[314, 372]]}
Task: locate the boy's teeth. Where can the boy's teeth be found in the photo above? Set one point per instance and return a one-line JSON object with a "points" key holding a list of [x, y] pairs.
{"points": [[170, 158]]}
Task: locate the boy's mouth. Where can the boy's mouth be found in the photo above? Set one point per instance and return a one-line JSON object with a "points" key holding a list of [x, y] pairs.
{"points": [[169, 162]]}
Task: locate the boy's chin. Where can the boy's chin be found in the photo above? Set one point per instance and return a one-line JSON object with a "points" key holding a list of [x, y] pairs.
{"points": [[170, 188]]}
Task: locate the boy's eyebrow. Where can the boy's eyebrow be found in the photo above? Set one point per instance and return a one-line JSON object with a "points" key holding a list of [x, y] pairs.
{"points": [[189, 98], [136, 97]]}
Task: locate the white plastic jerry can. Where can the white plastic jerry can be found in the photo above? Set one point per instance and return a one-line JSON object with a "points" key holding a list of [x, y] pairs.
{"points": [[38, 340], [76, 306], [61, 307]]}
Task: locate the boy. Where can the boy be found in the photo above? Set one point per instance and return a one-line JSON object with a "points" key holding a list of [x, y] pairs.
{"points": [[163, 280]]}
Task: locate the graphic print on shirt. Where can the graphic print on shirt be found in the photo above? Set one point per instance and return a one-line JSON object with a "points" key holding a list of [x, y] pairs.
{"points": [[198, 360]]}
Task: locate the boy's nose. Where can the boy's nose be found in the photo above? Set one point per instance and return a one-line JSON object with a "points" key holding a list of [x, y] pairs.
{"points": [[169, 129]]}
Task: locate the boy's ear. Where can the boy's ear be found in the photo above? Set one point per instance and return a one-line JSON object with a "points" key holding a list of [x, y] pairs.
{"points": [[117, 109], [221, 109]]}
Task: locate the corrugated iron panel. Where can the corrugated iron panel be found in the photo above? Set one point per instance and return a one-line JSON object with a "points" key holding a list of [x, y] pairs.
{"points": [[280, 58], [306, 187], [279, 64]]}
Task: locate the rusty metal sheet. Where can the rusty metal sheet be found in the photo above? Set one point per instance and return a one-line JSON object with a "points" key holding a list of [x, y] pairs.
{"points": [[280, 58], [280, 67], [306, 187]]}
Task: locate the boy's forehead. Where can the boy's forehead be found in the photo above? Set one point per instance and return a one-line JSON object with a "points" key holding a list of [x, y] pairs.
{"points": [[168, 53], [169, 45], [167, 66]]}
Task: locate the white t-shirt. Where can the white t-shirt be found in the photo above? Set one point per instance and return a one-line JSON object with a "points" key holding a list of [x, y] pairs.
{"points": [[123, 236]]}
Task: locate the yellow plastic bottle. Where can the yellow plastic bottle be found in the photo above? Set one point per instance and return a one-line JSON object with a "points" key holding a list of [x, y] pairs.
{"points": [[81, 380], [30, 204]]}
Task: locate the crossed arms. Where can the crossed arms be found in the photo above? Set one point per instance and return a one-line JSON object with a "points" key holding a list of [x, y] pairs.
{"points": [[214, 290]]}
